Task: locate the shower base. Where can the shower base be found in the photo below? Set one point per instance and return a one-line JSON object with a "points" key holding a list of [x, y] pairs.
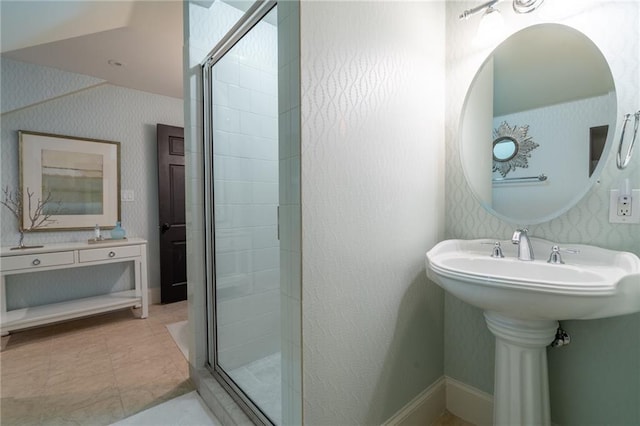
{"points": [[261, 381]]}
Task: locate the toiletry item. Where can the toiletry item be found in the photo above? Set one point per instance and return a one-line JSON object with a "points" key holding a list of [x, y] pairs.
{"points": [[118, 233], [96, 232]]}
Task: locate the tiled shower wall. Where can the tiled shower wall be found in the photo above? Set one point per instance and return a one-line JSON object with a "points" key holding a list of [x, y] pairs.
{"points": [[596, 379]]}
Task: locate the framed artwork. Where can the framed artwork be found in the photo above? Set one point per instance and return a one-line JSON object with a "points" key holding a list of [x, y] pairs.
{"points": [[72, 182]]}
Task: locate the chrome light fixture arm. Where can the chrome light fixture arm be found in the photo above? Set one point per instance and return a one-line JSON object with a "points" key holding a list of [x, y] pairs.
{"points": [[469, 12], [519, 6]]}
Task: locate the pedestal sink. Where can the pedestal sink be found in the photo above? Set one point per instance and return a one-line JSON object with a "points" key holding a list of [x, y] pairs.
{"points": [[523, 302]]}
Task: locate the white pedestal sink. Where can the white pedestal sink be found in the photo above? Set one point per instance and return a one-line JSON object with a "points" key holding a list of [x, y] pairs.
{"points": [[523, 302]]}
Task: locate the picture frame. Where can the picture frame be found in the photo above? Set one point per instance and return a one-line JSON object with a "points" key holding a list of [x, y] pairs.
{"points": [[78, 178]]}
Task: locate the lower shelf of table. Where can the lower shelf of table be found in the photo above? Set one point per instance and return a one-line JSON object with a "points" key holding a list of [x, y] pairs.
{"points": [[45, 314]]}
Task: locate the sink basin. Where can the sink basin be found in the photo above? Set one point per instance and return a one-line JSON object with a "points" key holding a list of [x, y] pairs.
{"points": [[523, 302], [594, 283]]}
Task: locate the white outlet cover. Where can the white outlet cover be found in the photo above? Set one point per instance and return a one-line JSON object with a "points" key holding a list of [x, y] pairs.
{"points": [[126, 195], [635, 207]]}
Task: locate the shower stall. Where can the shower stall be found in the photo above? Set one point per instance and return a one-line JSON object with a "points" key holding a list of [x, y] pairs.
{"points": [[246, 211]]}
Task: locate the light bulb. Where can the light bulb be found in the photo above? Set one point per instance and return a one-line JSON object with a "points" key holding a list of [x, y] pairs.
{"points": [[491, 27]]}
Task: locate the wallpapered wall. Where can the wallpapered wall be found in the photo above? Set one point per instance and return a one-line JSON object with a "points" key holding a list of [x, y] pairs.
{"points": [[102, 112], [596, 379], [372, 78], [26, 84]]}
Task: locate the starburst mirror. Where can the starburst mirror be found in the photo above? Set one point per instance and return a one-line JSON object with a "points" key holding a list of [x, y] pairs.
{"points": [[512, 147]]}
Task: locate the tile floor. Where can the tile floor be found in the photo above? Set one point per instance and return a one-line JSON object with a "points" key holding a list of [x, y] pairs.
{"points": [[186, 410], [190, 410], [103, 369], [92, 371]]}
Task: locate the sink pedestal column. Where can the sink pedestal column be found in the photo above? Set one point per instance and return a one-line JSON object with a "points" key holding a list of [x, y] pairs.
{"points": [[521, 389]]}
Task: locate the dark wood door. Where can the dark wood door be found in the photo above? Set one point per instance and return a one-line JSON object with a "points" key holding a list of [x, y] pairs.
{"points": [[173, 236]]}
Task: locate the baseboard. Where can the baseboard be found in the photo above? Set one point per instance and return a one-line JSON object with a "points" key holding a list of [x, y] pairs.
{"points": [[154, 295], [469, 403], [424, 409], [462, 400]]}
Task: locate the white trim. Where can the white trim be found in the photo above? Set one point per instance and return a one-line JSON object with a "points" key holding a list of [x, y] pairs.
{"points": [[469, 403], [424, 408], [462, 400]]}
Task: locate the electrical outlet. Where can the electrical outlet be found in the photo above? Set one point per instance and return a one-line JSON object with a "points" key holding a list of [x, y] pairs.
{"points": [[624, 206], [624, 209], [127, 195]]}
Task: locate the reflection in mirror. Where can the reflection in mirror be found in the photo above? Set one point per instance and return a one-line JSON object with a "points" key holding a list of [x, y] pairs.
{"points": [[517, 144], [597, 139], [504, 148], [562, 87]]}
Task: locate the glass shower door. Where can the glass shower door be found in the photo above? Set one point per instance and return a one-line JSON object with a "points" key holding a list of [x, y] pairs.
{"points": [[244, 196]]}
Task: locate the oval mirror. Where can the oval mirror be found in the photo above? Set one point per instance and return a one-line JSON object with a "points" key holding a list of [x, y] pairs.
{"points": [[538, 118]]}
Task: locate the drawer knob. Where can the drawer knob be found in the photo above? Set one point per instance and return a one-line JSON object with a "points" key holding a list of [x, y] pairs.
{"points": [[112, 254], [35, 262]]}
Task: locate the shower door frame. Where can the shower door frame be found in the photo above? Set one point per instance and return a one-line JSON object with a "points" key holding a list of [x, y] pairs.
{"points": [[251, 18]]}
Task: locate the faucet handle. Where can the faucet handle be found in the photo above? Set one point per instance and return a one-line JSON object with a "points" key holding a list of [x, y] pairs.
{"points": [[517, 234], [497, 249], [555, 257]]}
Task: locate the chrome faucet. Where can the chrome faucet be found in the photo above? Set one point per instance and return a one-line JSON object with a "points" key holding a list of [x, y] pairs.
{"points": [[525, 251]]}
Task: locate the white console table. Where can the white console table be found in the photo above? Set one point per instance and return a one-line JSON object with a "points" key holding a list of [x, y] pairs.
{"points": [[73, 255]]}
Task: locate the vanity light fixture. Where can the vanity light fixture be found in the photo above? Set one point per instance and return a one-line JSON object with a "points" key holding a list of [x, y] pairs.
{"points": [[491, 27], [526, 6], [519, 6], [469, 12]]}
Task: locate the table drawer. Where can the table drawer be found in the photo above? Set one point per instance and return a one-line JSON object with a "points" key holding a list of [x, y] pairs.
{"points": [[106, 253], [35, 261]]}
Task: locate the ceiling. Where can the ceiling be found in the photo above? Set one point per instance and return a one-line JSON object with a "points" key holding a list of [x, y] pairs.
{"points": [[145, 37]]}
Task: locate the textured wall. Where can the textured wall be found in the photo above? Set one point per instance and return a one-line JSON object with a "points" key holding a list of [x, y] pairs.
{"points": [[27, 84], [104, 112], [372, 148], [595, 380]]}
